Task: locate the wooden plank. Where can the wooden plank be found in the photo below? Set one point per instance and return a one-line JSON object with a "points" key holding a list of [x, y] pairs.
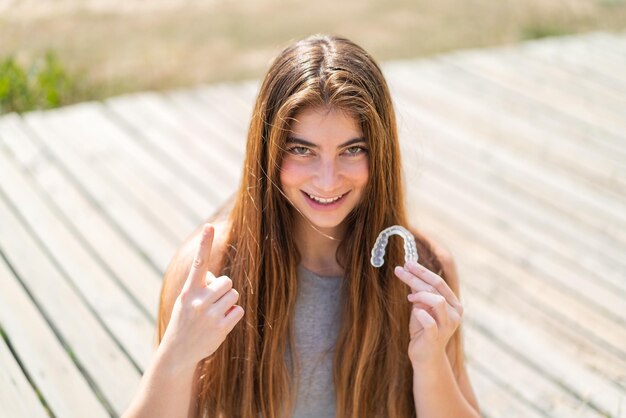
{"points": [[152, 243], [545, 181], [168, 208], [614, 206], [595, 355], [573, 101], [233, 111], [573, 313], [174, 150], [486, 236], [517, 337], [531, 250], [475, 258], [527, 383], [208, 106], [495, 401], [498, 128], [613, 42], [593, 95], [527, 219], [559, 352], [187, 116], [68, 313], [541, 284], [564, 132], [158, 142], [573, 110], [94, 229], [207, 117], [86, 120], [580, 59], [606, 49], [536, 224], [190, 112], [41, 354], [17, 396], [572, 155], [222, 99], [118, 313], [244, 95], [523, 106]]}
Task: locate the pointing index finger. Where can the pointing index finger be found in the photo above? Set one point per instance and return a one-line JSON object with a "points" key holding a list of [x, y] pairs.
{"points": [[200, 266], [435, 281]]}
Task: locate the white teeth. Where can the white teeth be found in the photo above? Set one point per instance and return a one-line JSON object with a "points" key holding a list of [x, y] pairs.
{"points": [[325, 201]]}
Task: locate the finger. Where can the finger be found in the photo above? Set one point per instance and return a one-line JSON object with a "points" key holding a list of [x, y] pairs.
{"points": [[436, 281], [209, 278], [428, 323], [200, 266], [417, 304], [218, 288], [414, 282], [232, 318], [437, 303], [227, 301]]}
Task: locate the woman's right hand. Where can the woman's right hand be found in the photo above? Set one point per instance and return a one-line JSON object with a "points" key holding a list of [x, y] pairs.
{"points": [[204, 312]]}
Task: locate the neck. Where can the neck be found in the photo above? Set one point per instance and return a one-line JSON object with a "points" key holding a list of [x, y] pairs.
{"points": [[318, 247]]}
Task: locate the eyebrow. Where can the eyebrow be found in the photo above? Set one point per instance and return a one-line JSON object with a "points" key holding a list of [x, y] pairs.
{"points": [[294, 140]]}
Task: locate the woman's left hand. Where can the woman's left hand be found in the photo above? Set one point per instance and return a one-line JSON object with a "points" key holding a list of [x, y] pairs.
{"points": [[435, 316]]}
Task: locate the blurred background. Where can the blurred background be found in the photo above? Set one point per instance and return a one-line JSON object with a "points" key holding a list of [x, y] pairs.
{"points": [[61, 52]]}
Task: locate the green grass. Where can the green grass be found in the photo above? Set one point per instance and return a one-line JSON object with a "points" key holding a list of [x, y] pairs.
{"points": [[107, 53], [43, 85], [542, 31]]}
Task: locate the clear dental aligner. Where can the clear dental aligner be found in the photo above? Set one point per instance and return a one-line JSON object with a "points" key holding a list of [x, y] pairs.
{"points": [[378, 251]]}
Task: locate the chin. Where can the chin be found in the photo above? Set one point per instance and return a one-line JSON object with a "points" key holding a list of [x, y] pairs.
{"points": [[327, 223]]}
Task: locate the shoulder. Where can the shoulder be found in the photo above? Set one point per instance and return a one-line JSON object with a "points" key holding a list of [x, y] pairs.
{"points": [[446, 259], [441, 251], [180, 266]]}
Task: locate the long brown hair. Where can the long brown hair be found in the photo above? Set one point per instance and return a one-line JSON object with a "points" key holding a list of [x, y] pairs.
{"points": [[248, 374]]}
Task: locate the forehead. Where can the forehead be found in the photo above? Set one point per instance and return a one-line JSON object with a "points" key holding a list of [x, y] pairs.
{"points": [[324, 126]]}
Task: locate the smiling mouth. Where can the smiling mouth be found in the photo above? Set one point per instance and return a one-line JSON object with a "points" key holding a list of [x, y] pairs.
{"points": [[323, 200]]}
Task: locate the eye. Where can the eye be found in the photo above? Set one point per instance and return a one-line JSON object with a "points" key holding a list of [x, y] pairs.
{"points": [[298, 150], [356, 150]]}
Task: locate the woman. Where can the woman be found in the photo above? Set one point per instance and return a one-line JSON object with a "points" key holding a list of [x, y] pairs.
{"points": [[274, 309]]}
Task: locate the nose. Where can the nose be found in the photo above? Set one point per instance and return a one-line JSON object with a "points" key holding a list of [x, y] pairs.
{"points": [[327, 177]]}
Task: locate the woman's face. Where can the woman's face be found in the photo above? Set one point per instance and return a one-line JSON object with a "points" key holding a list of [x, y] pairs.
{"points": [[325, 166]]}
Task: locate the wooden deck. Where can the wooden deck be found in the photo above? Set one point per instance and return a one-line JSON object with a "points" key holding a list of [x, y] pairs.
{"points": [[515, 160]]}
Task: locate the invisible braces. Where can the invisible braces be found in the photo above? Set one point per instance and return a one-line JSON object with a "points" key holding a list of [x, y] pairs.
{"points": [[378, 251]]}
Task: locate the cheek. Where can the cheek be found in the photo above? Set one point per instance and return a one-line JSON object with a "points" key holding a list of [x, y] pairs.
{"points": [[291, 174], [359, 173]]}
